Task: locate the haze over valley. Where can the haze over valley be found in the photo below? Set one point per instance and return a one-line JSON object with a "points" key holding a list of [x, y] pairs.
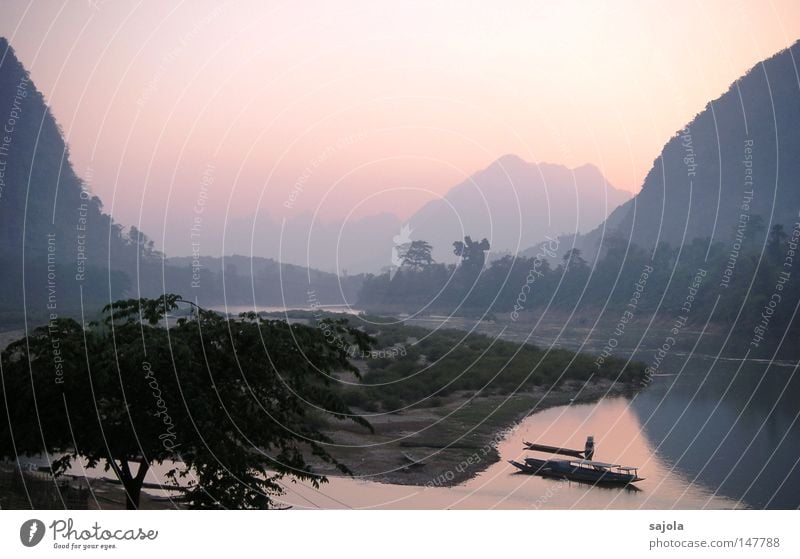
{"points": [[270, 255]]}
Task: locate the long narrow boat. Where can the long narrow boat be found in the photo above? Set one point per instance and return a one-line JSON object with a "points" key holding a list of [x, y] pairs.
{"points": [[580, 470], [533, 466], [554, 449], [596, 472]]}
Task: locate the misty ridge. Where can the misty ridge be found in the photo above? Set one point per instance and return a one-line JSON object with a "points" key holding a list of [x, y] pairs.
{"points": [[512, 202], [65, 255], [715, 230], [50, 216], [722, 194], [738, 156]]}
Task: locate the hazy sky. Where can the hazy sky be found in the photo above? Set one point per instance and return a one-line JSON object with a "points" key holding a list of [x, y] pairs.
{"points": [[390, 101]]}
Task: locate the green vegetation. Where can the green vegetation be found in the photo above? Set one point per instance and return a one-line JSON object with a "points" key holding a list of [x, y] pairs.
{"points": [[235, 402], [436, 365], [751, 275]]}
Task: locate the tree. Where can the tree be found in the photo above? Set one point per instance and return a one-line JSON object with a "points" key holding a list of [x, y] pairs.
{"points": [[573, 260], [143, 244], [775, 248], [227, 399], [472, 253], [754, 229], [417, 255]]}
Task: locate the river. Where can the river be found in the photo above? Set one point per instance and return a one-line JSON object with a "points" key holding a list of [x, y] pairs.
{"points": [[707, 434]]}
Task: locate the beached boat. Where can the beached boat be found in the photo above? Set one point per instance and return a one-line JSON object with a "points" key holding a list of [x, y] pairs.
{"points": [[580, 470], [596, 472], [533, 466]]}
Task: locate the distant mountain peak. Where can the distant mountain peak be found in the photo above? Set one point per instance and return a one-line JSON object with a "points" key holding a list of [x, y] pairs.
{"points": [[515, 203], [589, 168], [513, 161], [510, 159]]}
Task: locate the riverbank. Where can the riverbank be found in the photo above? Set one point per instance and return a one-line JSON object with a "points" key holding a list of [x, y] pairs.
{"points": [[449, 438], [31, 489], [449, 444], [452, 444]]}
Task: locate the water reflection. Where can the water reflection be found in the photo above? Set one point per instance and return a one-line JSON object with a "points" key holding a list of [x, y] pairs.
{"points": [[728, 425], [619, 439], [711, 434]]}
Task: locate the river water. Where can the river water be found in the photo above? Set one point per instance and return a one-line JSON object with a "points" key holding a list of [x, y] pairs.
{"points": [[705, 433], [708, 434]]}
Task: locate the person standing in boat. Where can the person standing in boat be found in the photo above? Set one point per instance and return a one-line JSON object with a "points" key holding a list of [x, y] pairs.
{"points": [[588, 450]]}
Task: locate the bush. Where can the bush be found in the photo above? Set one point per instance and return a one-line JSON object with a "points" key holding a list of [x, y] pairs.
{"points": [[474, 363]]}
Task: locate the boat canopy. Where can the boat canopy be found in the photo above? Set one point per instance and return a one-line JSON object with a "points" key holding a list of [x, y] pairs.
{"points": [[603, 465], [594, 463]]}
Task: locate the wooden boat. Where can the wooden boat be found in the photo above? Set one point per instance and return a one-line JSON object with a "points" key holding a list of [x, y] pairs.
{"points": [[579, 468], [533, 466], [554, 449], [595, 472]]}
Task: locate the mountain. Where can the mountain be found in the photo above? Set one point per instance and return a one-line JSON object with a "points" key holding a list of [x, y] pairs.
{"points": [[341, 247], [514, 204], [63, 256], [54, 237], [733, 170], [244, 281]]}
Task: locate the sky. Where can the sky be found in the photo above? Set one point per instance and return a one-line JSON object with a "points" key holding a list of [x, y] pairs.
{"points": [[356, 108]]}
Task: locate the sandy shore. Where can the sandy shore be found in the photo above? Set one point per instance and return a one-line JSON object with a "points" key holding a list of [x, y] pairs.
{"points": [[450, 444], [434, 446], [439, 447]]}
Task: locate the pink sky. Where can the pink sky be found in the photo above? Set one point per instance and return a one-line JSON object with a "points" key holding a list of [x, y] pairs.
{"points": [[395, 101]]}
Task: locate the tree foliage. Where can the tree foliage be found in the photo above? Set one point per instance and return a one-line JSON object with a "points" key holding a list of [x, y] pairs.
{"points": [[472, 253], [417, 255], [228, 400], [761, 265]]}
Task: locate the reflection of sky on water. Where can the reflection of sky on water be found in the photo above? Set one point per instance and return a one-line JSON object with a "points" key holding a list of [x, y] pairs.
{"points": [[732, 426], [618, 435], [703, 437]]}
